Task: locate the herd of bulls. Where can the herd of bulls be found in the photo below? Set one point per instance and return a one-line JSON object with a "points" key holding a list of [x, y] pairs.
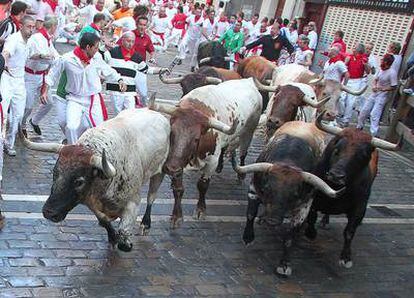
{"points": [[305, 166]]}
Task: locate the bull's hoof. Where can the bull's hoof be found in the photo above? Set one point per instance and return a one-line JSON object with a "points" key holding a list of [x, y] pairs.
{"points": [[145, 229], [248, 238], [125, 246], [345, 264], [311, 233], [199, 214], [2, 221], [284, 270], [175, 222]]}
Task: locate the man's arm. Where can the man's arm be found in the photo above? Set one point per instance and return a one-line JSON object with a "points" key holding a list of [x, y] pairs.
{"points": [[240, 43], [288, 45], [255, 43]]}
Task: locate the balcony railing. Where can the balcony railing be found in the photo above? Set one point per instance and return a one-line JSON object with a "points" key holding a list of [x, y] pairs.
{"points": [[403, 6]]}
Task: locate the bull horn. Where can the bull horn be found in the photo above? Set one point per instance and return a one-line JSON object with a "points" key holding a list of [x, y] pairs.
{"points": [[316, 81], [213, 80], [268, 81], [43, 147], [255, 167], [205, 60], [315, 103], [326, 128], [382, 144], [151, 101], [224, 128], [103, 164], [176, 80], [167, 109], [321, 185], [262, 87], [353, 92]]}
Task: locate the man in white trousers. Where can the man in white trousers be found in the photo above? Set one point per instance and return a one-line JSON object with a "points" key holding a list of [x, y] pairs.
{"points": [[192, 37], [12, 85], [83, 70], [41, 55], [386, 81]]}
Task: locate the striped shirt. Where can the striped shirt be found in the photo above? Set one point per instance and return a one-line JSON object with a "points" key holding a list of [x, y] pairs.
{"points": [[127, 69], [7, 28]]}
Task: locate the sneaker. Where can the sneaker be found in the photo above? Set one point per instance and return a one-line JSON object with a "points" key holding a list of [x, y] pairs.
{"points": [[36, 128], [409, 91], [9, 151]]}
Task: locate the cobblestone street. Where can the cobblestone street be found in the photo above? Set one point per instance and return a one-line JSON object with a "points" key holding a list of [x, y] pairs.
{"points": [[201, 258]]}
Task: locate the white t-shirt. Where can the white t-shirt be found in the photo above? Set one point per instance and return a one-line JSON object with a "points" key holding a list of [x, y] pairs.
{"points": [[210, 28], [222, 27], [170, 13], [160, 25], [300, 56], [334, 71], [313, 39], [89, 11], [37, 44], [293, 37], [396, 65], [194, 28], [18, 50], [387, 78], [126, 23]]}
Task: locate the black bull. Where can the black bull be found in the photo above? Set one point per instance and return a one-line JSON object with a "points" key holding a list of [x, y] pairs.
{"points": [[215, 51]]}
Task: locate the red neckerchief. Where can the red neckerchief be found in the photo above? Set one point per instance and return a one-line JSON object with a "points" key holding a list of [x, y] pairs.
{"points": [[223, 19], [81, 55], [211, 21], [335, 59], [16, 22], [305, 48], [44, 32], [124, 9], [197, 18], [127, 54], [94, 26], [52, 4]]}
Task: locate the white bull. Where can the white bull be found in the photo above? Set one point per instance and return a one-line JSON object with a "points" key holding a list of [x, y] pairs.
{"points": [[208, 122], [106, 169]]}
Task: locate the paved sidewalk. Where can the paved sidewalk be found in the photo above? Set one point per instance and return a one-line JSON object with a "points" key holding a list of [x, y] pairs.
{"points": [[201, 258]]}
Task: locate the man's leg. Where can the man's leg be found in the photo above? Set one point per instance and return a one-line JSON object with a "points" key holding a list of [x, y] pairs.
{"points": [[366, 109], [376, 113], [142, 88], [350, 101], [43, 109], [17, 105], [193, 46], [74, 112], [33, 84], [118, 102]]}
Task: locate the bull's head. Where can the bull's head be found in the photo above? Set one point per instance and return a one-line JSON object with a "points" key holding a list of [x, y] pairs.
{"points": [[285, 103], [76, 171], [190, 81], [188, 126], [283, 188], [324, 88], [348, 153]]}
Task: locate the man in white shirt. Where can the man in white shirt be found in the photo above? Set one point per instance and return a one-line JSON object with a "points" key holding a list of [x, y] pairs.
{"points": [[303, 54], [89, 11], [84, 69], [159, 26], [12, 85], [170, 11], [335, 69], [41, 55], [313, 36], [385, 82], [209, 29], [251, 29], [191, 39]]}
